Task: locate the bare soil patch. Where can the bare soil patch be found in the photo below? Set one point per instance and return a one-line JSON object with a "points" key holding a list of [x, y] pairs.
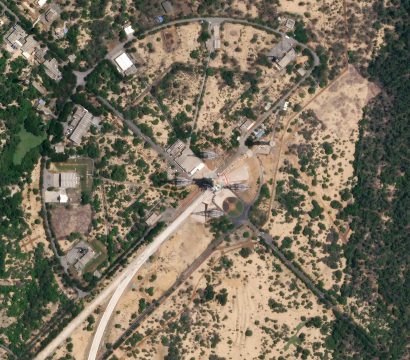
{"points": [[66, 220]]}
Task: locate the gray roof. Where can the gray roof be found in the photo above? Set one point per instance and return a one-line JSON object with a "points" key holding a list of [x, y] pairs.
{"points": [[16, 36], [167, 6], [287, 59], [280, 49], [51, 69]]}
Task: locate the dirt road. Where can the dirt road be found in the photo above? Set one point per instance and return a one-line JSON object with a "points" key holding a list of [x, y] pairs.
{"points": [[117, 287]]}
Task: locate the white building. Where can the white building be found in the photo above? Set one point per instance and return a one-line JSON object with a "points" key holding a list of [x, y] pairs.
{"points": [[128, 30], [125, 64]]}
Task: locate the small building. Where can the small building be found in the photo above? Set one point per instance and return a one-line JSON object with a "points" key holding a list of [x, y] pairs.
{"points": [[51, 15], [287, 59], [267, 106], [258, 133], [59, 148], [301, 71], [152, 219], [290, 24], [125, 64], [129, 30], [282, 53], [52, 70], [168, 7], [176, 148], [80, 255], [246, 126], [41, 3], [285, 105]]}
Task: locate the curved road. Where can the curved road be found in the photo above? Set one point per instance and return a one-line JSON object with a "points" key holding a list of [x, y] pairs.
{"points": [[120, 283], [117, 287]]}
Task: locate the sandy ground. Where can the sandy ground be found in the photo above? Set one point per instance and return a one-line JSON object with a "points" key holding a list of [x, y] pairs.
{"points": [[251, 284], [172, 258], [32, 209], [339, 110]]}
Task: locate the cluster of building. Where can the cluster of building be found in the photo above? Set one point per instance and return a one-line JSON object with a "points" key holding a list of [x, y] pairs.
{"points": [[57, 184], [185, 158], [17, 39], [79, 124], [282, 53]]}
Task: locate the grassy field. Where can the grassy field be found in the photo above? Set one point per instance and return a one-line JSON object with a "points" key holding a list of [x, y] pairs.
{"points": [[27, 142], [294, 340], [83, 166]]}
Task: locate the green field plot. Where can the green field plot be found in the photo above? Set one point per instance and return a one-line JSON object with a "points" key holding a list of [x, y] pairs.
{"points": [[27, 142], [83, 166]]}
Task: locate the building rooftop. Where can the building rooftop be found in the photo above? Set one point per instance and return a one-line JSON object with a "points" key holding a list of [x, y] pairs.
{"points": [[52, 70], [124, 62], [80, 255], [280, 49], [189, 162], [16, 36], [80, 123], [287, 59], [128, 30], [69, 180], [167, 6]]}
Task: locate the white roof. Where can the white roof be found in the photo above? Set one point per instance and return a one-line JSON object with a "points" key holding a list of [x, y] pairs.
{"points": [[41, 2], [128, 30], [63, 198], [124, 62]]}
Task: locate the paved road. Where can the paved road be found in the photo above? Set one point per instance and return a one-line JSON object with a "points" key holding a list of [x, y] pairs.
{"points": [[135, 266], [121, 282], [179, 281], [135, 129], [117, 287], [215, 20]]}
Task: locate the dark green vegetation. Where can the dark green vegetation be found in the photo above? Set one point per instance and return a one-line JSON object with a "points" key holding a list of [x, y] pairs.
{"points": [[15, 159], [27, 142], [379, 247]]}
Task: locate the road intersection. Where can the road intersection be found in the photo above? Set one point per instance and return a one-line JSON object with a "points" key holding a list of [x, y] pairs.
{"points": [[116, 288]]}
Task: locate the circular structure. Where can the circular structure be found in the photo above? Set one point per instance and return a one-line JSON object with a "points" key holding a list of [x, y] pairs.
{"points": [[232, 206]]}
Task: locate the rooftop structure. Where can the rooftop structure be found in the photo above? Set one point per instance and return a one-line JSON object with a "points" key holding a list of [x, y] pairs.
{"points": [[125, 64], [50, 15], [128, 30], [290, 24], [185, 158], [69, 180], [287, 59], [152, 219], [301, 71], [168, 8], [280, 49], [51, 69], [18, 39], [80, 255], [80, 123], [246, 125], [56, 196], [29, 45]]}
